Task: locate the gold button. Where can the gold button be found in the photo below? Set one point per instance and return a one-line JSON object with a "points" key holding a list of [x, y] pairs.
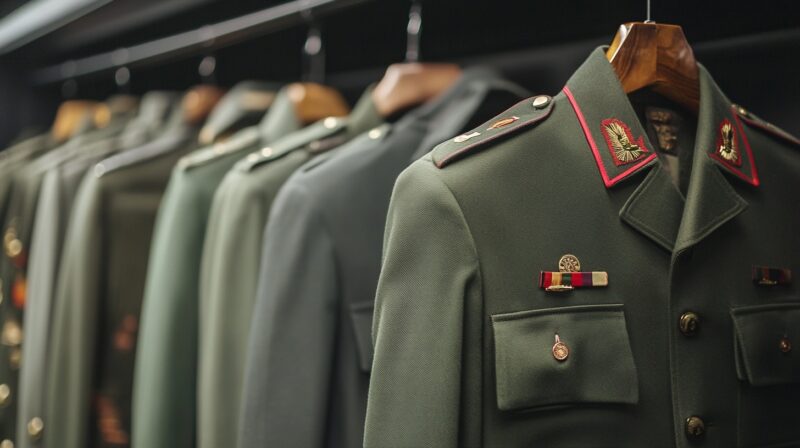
{"points": [[35, 428], [5, 394], [330, 122], [266, 152], [560, 350], [541, 101], [695, 427], [375, 134], [6, 444], [689, 323], [252, 158], [785, 345]]}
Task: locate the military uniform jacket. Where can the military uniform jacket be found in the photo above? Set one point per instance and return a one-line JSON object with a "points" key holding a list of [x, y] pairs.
{"points": [[20, 220], [99, 293], [231, 255], [319, 270], [165, 380], [58, 189], [467, 341]]}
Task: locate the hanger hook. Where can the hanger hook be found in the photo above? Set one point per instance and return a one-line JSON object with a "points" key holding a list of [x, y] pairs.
{"points": [[207, 69], [649, 17], [313, 50], [413, 31]]}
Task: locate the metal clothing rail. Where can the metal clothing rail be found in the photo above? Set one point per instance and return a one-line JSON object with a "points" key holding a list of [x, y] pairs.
{"points": [[205, 38]]}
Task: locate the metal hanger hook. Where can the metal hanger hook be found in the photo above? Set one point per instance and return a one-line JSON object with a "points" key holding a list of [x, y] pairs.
{"points": [[413, 31], [649, 18]]}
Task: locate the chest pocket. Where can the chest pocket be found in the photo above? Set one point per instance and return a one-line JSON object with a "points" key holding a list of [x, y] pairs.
{"points": [[593, 363], [768, 368], [763, 338]]}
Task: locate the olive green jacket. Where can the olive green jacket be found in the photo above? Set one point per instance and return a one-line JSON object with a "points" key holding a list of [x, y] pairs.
{"points": [[165, 380], [319, 270], [99, 292], [465, 338], [53, 208], [231, 255]]}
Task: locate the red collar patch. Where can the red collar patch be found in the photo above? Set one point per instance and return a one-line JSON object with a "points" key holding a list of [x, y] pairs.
{"points": [[732, 150], [624, 148]]}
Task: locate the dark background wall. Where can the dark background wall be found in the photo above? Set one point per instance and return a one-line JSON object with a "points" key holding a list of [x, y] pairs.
{"points": [[751, 48]]}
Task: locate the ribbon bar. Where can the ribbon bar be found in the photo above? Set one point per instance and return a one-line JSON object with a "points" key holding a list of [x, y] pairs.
{"points": [[566, 281], [766, 276]]}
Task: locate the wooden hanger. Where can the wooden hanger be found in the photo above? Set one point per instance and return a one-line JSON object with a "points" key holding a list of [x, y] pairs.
{"points": [[71, 115], [410, 84], [656, 55], [114, 106], [198, 102], [314, 102]]}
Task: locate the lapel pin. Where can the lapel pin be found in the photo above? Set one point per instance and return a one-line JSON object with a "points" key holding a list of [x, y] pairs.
{"points": [[570, 277]]}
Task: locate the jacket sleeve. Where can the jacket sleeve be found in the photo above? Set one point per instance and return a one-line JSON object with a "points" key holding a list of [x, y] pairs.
{"points": [[429, 270], [292, 336]]}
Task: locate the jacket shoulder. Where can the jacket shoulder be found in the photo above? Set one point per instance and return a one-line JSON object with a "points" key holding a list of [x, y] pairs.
{"points": [[520, 116], [765, 126], [316, 138]]}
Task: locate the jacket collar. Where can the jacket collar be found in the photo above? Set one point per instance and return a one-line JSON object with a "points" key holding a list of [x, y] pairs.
{"points": [[617, 141]]}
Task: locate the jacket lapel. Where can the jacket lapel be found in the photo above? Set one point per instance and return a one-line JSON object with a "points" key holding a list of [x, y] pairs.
{"points": [[620, 146]]}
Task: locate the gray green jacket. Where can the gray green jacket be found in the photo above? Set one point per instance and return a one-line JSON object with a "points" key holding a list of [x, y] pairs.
{"points": [[466, 353], [310, 352], [231, 253]]}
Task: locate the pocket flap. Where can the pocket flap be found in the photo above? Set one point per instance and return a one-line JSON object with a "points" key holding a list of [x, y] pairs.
{"points": [[361, 313], [763, 338], [599, 367]]}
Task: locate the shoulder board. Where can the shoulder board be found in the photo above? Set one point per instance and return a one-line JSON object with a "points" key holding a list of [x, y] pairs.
{"points": [[371, 137], [753, 120], [164, 145], [316, 137], [520, 116], [243, 139]]}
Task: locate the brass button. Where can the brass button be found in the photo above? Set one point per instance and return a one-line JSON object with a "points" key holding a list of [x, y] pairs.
{"points": [[5, 394], [785, 345], [689, 323], [695, 427], [35, 427], [330, 122], [375, 134], [540, 102], [6, 444], [560, 350]]}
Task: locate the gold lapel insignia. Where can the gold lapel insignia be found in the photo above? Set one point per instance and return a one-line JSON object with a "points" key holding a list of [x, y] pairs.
{"points": [[726, 143], [624, 148]]}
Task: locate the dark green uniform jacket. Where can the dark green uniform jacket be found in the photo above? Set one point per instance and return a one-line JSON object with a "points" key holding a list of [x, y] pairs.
{"points": [[53, 211], [164, 411], [687, 345], [99, 292], [231, 255], [310, 351], [20, 221]]}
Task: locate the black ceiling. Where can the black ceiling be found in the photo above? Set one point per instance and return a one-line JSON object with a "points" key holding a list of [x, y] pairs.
{"points": [[372, 34]]}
